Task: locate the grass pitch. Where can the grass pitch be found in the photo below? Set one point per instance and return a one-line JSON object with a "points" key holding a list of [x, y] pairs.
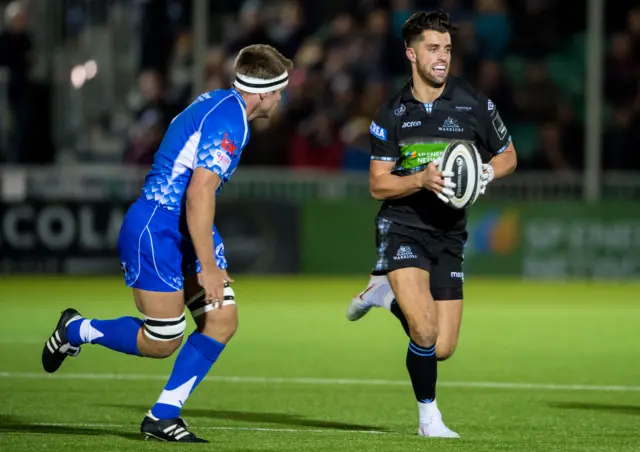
{"points": [[540, 367]]}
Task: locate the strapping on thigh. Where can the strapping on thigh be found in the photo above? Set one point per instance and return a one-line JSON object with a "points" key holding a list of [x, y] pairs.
{"points": [[164, 329], [199, 306]]}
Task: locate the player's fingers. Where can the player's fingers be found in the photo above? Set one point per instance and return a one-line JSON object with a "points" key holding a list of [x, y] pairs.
{"points": [[448, 174], [447, 192], [449, 184], [443, 198], [220, 291]]}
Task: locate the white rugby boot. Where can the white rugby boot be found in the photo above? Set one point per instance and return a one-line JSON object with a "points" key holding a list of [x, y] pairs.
{"points": [[431, 424], [377, 294]]}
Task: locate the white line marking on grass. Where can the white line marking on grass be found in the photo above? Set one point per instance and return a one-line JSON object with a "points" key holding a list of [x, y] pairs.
{"points": [[326, 381], [247, 429]]}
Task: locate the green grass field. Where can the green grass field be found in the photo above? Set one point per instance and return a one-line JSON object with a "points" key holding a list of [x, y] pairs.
{"points": [[540, 367]]}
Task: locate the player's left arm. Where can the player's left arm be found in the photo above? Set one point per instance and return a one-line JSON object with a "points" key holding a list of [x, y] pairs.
{"points": [[495, 137]]}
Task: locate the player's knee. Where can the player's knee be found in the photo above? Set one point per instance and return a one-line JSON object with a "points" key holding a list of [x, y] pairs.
{"points": [[162, 349], [220, 324], [423, 332], [444, 350], [218, 321], [228, 329], [163, 336]]}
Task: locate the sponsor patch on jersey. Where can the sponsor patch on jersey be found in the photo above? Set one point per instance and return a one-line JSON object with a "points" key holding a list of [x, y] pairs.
{"points": [[499, 127], [228, 144], [222, 160], [408, 124], [490, 105], [378, 131]]}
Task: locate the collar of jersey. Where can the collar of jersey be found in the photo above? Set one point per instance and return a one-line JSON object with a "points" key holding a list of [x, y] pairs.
{"points": [[407, 95], [239, 96]]}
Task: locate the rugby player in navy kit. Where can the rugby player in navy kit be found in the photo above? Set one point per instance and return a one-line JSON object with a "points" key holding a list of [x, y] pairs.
{"points": [[420, 238]]}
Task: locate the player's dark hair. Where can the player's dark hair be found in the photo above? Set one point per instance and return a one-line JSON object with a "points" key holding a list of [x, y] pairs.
{"points": [[261, 61], [418, 22]]}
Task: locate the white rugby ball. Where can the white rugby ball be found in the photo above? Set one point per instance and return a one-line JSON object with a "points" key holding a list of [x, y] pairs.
{"points": [[463, 160]]}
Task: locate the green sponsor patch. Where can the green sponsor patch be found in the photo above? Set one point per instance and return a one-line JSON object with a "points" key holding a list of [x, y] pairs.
{"points": [[419, 154]]}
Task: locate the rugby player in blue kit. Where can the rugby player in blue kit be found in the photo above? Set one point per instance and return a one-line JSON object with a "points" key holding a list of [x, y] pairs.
{"points": [[171, 254]]}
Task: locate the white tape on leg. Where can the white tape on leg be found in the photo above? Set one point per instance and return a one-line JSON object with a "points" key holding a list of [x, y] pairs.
{"points": [[164, 329], [198, 306]]}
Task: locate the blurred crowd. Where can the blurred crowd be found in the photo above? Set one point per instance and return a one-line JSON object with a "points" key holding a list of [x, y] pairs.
{"points": [[528, 56], [16, 47]]}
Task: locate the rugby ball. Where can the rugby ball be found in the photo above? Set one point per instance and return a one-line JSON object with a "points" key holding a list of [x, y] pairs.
{"points": [[463, 160]]}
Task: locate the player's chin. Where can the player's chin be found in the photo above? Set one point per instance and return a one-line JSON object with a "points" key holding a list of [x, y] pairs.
{"points": [[438, 80]]}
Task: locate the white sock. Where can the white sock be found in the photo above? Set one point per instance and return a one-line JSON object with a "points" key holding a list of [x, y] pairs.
{"points": [[428, 411]]}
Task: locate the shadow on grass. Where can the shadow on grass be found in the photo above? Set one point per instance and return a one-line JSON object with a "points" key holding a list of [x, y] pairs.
{"points": [[13, 425], [256, 417], [612, 408]]}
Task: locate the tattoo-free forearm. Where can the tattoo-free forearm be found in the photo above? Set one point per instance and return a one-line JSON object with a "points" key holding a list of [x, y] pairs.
{"points": [[504, 164], [200, 213], [388, 186]]}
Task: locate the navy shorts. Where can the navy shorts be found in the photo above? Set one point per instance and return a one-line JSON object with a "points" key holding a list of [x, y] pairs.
{"points": [[155, 250], [402, 246]]}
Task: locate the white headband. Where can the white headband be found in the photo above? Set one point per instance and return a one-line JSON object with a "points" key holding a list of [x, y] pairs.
{"points": [[259, 85]]}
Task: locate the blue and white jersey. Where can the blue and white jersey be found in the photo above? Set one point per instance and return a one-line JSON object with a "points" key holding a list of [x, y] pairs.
{"points": [[210, 133]]}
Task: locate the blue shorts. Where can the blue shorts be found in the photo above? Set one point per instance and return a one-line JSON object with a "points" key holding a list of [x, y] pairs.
{"points": [[155, 250]]}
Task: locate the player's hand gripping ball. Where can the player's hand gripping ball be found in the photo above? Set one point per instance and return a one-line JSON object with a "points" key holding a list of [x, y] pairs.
{"points": [[461, 161]]}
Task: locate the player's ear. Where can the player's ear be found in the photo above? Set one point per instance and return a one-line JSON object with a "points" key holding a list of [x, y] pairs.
{"points": [[411, 54]]}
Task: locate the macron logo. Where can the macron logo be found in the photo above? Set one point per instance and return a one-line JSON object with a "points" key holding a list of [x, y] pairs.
{"points": [[408, 124], [378, 131]]}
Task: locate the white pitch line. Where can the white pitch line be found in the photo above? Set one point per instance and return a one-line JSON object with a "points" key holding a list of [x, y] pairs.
{"points": [[247, 429], [326, 381]]}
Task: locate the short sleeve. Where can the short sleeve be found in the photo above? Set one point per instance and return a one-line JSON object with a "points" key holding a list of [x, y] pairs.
{"points": [[492, 132], [384, 143], [222, 137]]}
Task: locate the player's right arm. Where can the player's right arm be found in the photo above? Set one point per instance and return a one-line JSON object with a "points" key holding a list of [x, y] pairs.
{"points": [[200, 206], [385, 152], [221, 134]]}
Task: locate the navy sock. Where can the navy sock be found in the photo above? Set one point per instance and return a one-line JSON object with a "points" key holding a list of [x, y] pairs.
{"points": [[395, 310], [423, 370], [192, 364], [120, 334]]}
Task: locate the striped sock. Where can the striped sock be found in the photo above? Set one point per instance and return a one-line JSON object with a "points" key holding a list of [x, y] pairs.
{"points": [[422, 365]]}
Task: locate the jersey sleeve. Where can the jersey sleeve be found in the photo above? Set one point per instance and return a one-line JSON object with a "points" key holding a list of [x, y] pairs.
{"points": [[492, 132], [222, 136], [384, 141]]}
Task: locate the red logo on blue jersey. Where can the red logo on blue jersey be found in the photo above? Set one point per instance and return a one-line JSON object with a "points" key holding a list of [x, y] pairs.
{"points": [[228, 145]]}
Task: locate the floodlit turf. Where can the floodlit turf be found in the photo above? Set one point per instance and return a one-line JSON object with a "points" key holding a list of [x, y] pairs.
{"points": [[540, 367]]}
